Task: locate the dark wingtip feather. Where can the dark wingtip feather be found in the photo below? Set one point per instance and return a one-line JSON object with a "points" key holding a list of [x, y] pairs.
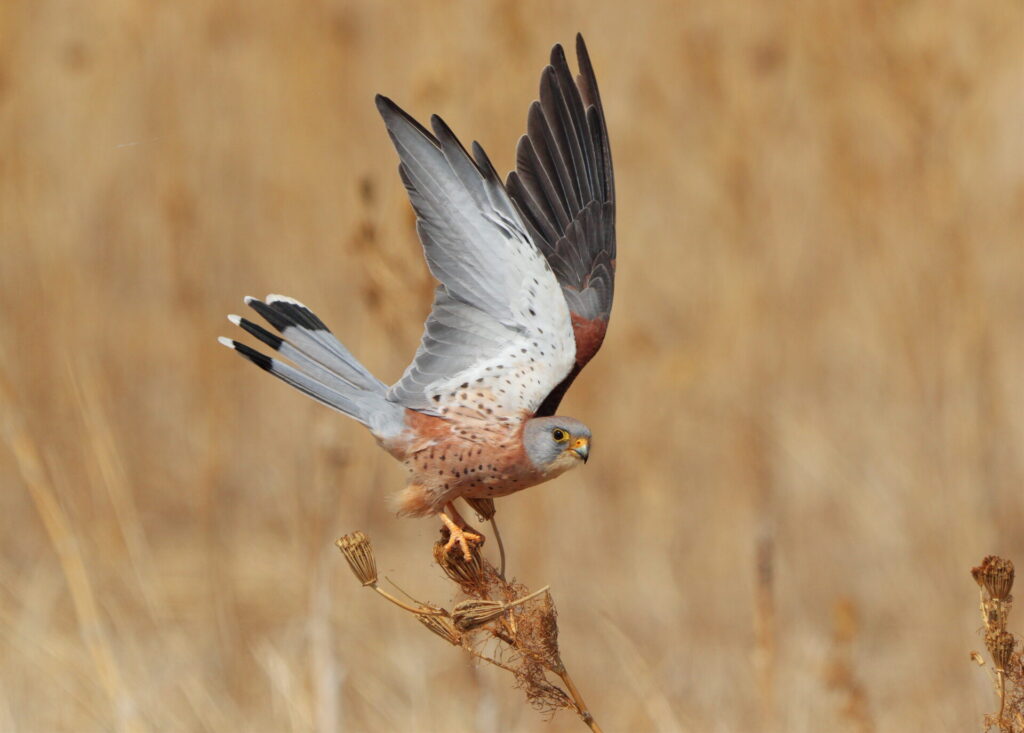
{"points": [[442, 132], [564, 187], [581, 48], [393, 114], [557, 54], [483, 162], [384, 104]]}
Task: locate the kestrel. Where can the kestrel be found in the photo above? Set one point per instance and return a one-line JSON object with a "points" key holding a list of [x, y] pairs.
{"points": [[526, 273]]}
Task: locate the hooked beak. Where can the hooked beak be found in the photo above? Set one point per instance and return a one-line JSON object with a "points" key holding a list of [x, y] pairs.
{"points": [[582, 448]]}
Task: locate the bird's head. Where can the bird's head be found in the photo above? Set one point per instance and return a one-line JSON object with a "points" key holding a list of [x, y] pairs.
{"points": [[556, 444]]}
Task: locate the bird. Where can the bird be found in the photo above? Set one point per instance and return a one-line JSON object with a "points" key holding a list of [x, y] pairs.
{"points": [[525, 273]]}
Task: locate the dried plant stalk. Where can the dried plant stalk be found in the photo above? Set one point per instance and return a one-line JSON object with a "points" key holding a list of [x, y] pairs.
{"points": [[995, 581], [501, 622], [484, 509]]}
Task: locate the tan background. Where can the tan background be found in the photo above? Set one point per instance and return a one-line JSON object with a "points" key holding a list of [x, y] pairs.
{"points": [[816, 358]]}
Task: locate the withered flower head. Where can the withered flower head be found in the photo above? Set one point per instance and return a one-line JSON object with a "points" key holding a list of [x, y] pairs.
{"points": [[995, 575], [484, 507], [469, 574], [1000, 645], [473, 613], [443, 627], [548, 627], [357, 550]]}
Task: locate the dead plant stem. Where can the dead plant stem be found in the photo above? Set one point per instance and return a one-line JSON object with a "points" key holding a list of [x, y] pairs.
{"points": [[578, 699]]}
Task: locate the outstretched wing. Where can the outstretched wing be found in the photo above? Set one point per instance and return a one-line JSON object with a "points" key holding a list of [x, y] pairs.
{"points": [[564, 187], [499, 337]]}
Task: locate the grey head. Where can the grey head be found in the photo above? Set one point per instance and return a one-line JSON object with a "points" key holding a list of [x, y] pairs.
{"points": [[556, 444]]}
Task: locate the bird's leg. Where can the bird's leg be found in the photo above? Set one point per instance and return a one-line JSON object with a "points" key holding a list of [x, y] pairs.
{"points": [[457, 531]]}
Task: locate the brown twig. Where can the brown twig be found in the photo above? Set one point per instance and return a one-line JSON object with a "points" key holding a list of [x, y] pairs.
{"points": [[577, 698]]}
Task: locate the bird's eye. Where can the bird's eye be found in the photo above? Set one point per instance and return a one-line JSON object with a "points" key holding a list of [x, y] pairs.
{"points": [[559, 435]]}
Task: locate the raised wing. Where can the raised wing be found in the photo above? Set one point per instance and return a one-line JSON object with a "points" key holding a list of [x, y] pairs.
{"points": [[564, 187], [499, 337]]}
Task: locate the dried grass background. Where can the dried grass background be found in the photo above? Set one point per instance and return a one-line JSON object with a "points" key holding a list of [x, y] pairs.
{"points": [[809, 411]]}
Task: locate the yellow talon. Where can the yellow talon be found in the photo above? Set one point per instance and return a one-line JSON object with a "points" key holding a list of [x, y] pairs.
{"points": [[457, 532]]}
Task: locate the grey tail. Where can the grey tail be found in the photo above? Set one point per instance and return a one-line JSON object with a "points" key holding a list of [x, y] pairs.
{"points": [[324, 369]]}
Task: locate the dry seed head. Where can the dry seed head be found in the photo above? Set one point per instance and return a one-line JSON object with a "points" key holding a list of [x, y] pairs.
{"points": [[473, 613], [1000, 645], [443, 627], [995, 575], [469, 574], [470, 614], [484, 507], [357, 550]]}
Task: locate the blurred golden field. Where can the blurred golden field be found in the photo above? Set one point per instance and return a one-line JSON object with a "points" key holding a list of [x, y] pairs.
{"points": [[809, 411]]}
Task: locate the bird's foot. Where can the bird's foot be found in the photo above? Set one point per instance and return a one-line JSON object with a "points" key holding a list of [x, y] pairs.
{"points": [[460, 535]]}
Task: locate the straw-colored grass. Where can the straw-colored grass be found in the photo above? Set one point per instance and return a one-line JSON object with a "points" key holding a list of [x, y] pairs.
{"points": [[808, 407]]}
